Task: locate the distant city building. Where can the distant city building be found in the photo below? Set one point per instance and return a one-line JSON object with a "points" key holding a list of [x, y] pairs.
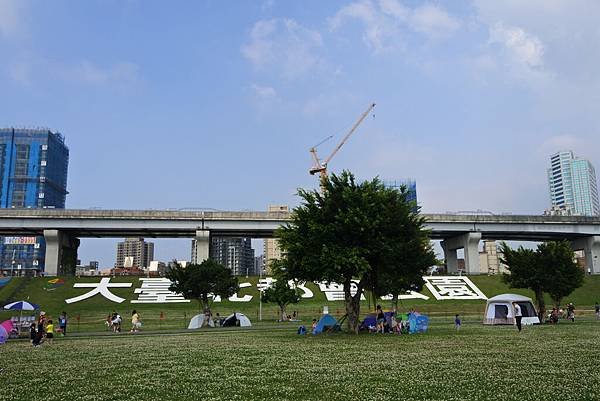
{"points": [[157, 268], [573, 186], [411, 187], [134, 253], [90, 269], [271, 249], [490, 260], [259, 265], [33, 174], [234, 253]]}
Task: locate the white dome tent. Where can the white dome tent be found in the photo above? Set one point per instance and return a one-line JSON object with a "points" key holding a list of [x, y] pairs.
{"points": [[500, 310], [198, 321], [237, 319]]}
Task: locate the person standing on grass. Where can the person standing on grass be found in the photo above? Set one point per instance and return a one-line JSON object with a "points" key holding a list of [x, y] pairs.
{"points": [[457, 322], [518, 315], [597, 309], [135, 322], [62, 323], [49, 331], [571, 311], [33, 334]]}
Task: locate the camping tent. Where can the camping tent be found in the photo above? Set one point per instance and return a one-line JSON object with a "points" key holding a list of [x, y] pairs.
{"points": [[198, 321], [234, 318], [500, 310], [370, 320], [418, 323], [326, 322]]}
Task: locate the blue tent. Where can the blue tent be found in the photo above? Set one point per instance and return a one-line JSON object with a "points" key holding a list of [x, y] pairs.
{"points": [[418, 323], [325, 323], [370, 320]]}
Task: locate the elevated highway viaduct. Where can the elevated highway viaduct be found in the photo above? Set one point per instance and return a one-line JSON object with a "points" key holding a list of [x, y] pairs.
{"points": [[62, 228]]}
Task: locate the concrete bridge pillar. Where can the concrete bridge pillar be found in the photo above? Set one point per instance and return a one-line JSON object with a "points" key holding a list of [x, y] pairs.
{"points": [[61, 253], [451, 258], [470, 243], [202, 246], [591, 249]]}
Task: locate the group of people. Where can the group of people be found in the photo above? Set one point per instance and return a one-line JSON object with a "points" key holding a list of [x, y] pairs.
{"points": [[44, 330], [557, 313], [391, 324], [114, 322]]}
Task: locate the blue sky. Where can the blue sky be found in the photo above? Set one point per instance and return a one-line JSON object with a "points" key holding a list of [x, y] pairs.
{"points": [[215, 104]]}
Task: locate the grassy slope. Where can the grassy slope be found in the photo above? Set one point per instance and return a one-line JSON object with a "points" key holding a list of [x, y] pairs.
{"points": [[477, 363], [93, 311]]}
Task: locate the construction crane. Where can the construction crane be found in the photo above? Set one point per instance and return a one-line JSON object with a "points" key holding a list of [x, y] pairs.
{"points": [[321, 166]]}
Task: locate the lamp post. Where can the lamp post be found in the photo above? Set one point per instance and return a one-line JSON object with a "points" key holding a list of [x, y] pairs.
{"points": [[260, 295], [12, 265]]}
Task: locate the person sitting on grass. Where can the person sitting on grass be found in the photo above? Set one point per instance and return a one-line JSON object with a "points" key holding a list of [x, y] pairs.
{"points": [[115, 322], [380, 316]]}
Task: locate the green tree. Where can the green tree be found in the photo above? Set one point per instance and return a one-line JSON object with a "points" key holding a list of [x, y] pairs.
{"points": [[203, 282], [550, 269], [525, 272], [354, 231], [404, 270], [566, 275], [280, 292]]}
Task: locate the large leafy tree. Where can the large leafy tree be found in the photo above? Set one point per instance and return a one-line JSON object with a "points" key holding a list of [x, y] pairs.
{"points": [[203, 282], [525, 272], [566, 275], [551, 269], [280, 292], [355, 231]]}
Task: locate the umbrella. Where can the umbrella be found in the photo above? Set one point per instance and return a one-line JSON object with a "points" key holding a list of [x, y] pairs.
{"points": [[6, 328], [21, 305]]}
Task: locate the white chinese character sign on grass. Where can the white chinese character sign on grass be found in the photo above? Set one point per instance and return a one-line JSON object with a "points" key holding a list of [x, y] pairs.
{"points": [[101, 288], [156, 291], [452, 287], [268, 282], [335, 292], [407, 295]]}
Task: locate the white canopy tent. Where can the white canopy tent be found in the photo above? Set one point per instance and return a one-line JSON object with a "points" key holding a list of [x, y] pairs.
{"points": [[198, 321], [501, 310]]}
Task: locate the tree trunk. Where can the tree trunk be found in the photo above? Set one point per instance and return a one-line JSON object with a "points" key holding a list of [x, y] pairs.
{"points": [[206, 310], [282, 309], [539, 297], [395, 302], [352, 304]]}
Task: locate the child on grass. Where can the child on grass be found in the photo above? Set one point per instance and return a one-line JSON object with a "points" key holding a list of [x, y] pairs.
{"points": [[457, 322], [49, 331]]}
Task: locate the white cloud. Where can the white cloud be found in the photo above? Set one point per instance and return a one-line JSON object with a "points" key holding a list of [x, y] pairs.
{"points": [[264, 92], [433, 21], [285, 45], [10, 16], [524, 47], [380, 30], [385, 22]]}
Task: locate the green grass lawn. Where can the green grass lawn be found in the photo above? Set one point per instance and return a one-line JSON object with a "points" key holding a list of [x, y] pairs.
{"points": [[477, 363], [92, 312]]}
